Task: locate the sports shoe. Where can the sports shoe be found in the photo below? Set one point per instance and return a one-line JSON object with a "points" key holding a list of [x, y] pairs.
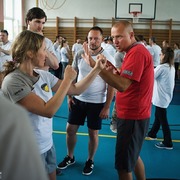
{"points": [[151, 138], [66, 162], [58, 172], [162, 146], [88, 168], [113, 126]]}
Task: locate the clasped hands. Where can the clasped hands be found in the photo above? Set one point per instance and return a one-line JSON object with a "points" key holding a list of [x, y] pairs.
{"points": [[101, 62]]}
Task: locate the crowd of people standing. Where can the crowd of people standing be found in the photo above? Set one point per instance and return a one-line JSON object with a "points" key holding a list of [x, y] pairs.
{"points": [[121, 66]]}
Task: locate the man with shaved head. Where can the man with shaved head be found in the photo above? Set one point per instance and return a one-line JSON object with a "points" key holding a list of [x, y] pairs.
{"points": [[134, 84]]}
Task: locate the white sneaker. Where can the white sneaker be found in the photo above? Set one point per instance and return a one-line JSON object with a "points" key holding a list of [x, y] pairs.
{"points": [[113, 126]]}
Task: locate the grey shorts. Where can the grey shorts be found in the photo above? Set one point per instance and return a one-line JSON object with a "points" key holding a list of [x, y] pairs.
{"points": [[49, 160], [130, 137]]}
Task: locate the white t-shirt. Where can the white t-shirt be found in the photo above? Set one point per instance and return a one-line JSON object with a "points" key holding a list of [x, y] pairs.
{"points": [[156, 56], [76, 47], [58, 54], [96, 92], [64, 57], [49, 46], [150, 49], [118, 57], [4, 57], [17, 85], [110, 49], [163, 85], [177, 55]]}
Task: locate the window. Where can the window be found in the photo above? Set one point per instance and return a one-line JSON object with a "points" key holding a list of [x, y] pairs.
{"points": [[13, 17]]}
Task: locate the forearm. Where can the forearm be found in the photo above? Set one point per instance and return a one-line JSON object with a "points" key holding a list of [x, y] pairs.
{"points": [[52, 61], [82, 85], [118, 82], [56, 101], [36, 105], [110, 96], [7, 52], [110, 78]]}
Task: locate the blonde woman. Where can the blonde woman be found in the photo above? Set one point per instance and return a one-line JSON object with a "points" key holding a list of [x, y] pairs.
{"points": [[27, 84]]}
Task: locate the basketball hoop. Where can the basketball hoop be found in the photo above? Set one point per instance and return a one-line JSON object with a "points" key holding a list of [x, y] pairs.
{"points": [[135, 15]]}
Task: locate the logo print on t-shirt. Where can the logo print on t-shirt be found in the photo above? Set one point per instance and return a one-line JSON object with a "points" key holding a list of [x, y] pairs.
{"points": [[129, 73], [45, 87]]}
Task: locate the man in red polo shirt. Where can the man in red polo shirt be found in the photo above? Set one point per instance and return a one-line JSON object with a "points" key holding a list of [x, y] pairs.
{"points": [[133, 100]]}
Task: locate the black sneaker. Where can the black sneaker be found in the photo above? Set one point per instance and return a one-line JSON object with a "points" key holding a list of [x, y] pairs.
{"points": [[66, 162], [162, 146], [88, 168], [58, 172]]}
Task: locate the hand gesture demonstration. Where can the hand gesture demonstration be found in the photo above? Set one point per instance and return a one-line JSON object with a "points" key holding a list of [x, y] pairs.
{"points": [[70, 73], [86, 56], [100, 62], [89, 60]]}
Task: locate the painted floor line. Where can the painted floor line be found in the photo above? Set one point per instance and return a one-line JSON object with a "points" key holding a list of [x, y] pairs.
{"points": [[111, 136]]}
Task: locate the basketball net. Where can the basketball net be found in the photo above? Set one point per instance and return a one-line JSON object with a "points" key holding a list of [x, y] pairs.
{"points": [[135, 16]]}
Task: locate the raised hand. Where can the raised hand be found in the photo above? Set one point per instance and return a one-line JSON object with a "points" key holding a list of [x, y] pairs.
{"points": [[86, 56], [70, 73], [101, 61], [104, 63], [110, 66]]}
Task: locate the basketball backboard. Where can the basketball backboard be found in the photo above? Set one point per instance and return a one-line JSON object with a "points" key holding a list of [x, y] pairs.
{"points": [[146, 9]]}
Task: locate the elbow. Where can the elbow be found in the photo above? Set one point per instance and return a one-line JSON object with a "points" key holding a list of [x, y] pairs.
{"points": [[56, 66], [49, 114], [73, 93], [121, 88]]}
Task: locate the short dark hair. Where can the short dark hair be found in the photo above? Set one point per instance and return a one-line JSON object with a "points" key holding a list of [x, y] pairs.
{"points": [[96, 28], [4, 31], [35, 13], [139, 37], [153, 39]]}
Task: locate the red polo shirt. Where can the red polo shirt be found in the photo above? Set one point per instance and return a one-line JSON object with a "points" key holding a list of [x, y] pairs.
{"points": [[135, 102]]}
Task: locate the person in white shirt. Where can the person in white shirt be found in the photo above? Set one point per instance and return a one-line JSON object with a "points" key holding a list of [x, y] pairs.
{"points": [[93, 104], [165, 43], [26, 84], [157, 51], [162, 96], [109, 47], [57, 42], [176, 59], [65, 56], [5, 47], [35, 20], [76, 47], [118, 57], [57, 48], [140, 38]]}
